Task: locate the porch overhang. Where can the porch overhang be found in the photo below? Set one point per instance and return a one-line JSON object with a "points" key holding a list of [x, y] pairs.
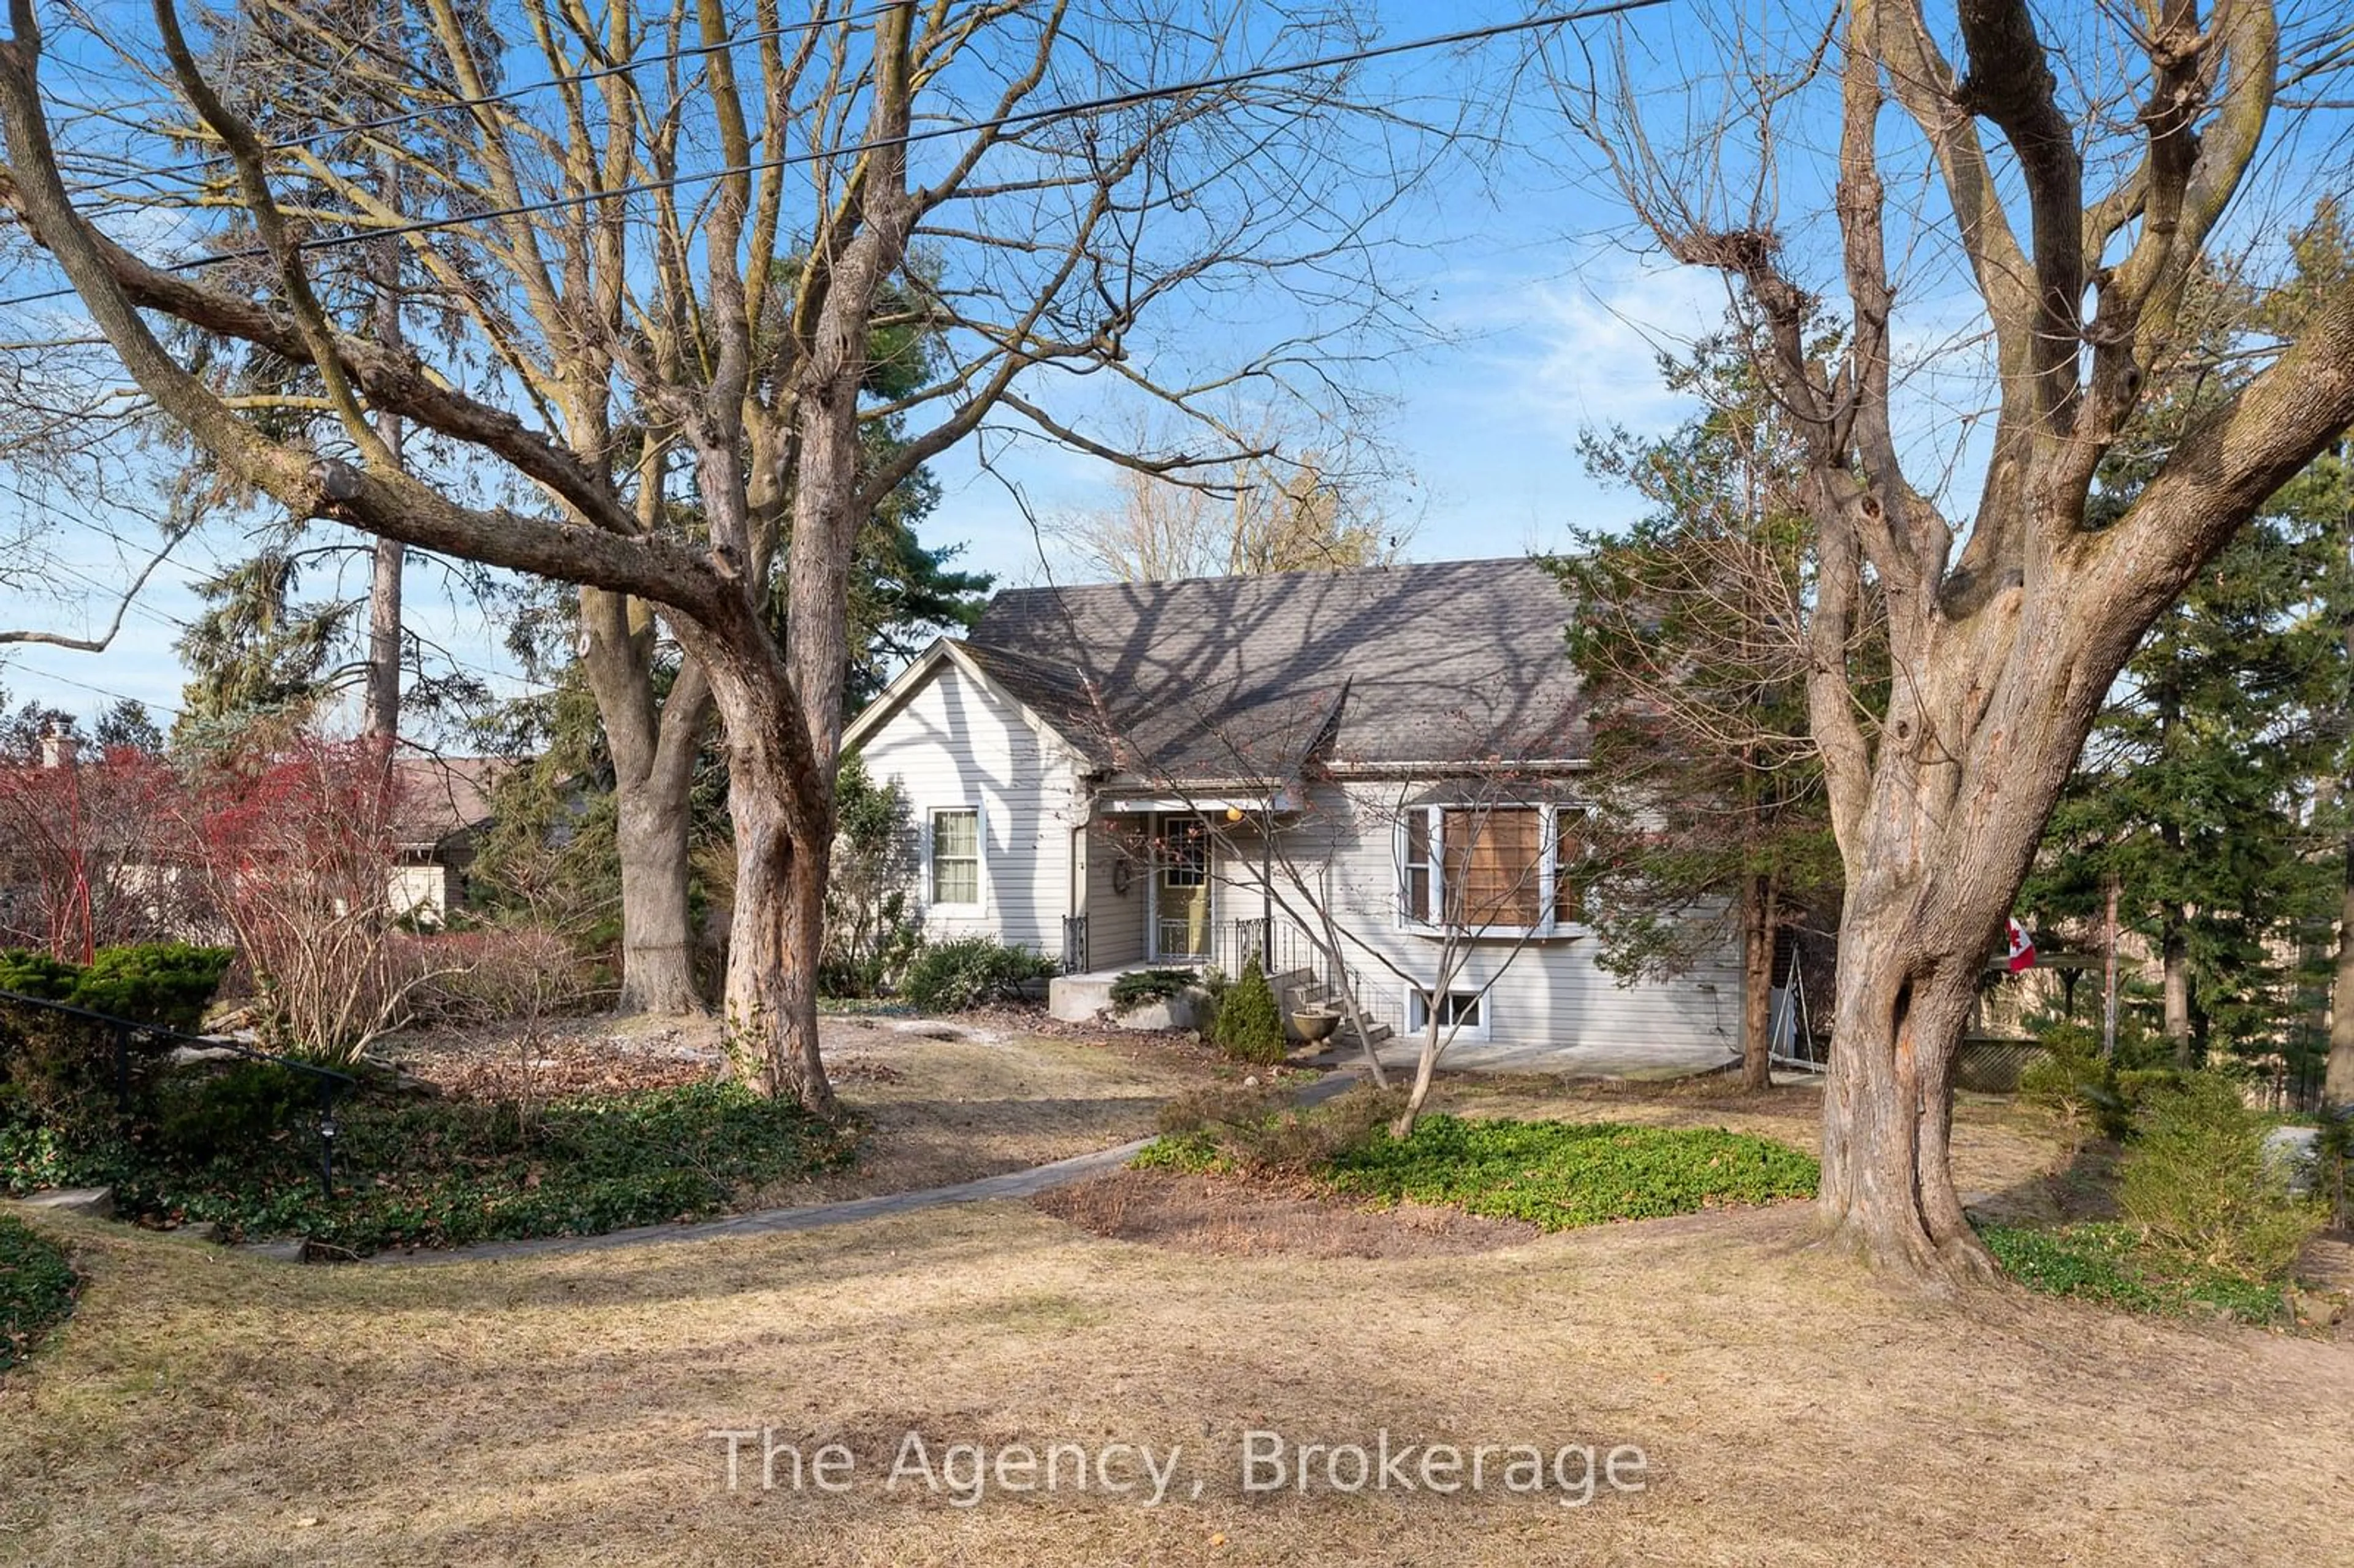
{"points": [[1284, 801]]}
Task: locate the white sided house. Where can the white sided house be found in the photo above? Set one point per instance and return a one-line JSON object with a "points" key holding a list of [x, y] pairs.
{"points": [[1188, 773]]}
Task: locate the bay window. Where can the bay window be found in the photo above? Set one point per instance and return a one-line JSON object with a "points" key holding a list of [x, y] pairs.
{"points": [[1501, 869]]}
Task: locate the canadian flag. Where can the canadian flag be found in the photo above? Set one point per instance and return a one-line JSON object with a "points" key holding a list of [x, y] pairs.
{"points": [[2022, 947]]}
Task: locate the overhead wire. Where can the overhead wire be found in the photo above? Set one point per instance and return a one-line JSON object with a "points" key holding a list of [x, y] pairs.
{"points": [[1123, 100]]}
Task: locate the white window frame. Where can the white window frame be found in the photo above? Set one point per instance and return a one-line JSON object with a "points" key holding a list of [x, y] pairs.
{"points": [[1431, 918], [1416, 1012], [932, 816]]}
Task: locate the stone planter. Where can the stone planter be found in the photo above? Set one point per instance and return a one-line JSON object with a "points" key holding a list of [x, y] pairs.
{"points": [[1314, 1024]]}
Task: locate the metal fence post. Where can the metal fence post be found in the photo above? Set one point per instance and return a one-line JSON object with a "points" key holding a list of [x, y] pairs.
{"points": [[328, 1130]]}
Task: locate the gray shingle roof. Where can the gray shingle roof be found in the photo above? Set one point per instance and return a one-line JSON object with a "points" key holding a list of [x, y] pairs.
{"points": [[1453, 662]]}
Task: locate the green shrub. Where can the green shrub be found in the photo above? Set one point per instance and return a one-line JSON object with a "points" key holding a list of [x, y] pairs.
{"points": [[427, 1171], [2335, 1153], [36, 974], [168, 984], [953, 977], [1556, 1175], [58, 1074], [2195, 1180], [37, 1288], [1249, 1027], [1188, 1153], [165, 983], [2132, 1086], [1139, 988], [2070, 1079], [206, 1115], [872, 928]]}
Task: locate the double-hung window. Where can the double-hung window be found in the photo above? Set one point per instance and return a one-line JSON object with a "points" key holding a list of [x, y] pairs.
{"points": [[1501, 870], [956, 857]]}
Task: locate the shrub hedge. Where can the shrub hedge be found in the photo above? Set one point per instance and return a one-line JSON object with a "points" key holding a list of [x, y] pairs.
{"points": [[1248, 1028], [959, 975]]}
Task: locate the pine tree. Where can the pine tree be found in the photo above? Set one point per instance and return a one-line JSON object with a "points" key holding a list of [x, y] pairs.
{"points": [[1707, 822], [2208, 785]]}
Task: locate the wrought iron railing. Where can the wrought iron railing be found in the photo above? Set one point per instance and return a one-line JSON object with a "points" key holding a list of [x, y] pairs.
{"points": [[1075, 945], [1283, 948]]}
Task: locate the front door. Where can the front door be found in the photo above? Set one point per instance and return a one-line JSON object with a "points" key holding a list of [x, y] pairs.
{"points": [[1181, 891]]}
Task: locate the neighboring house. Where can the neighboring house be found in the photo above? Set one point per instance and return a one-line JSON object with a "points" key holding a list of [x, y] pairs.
{"points": [[1094, 773], [442, 808]]}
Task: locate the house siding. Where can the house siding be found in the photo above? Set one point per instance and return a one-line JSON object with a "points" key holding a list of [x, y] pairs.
{"points": [[1115, 918], [955, 743], [1550, 992]]}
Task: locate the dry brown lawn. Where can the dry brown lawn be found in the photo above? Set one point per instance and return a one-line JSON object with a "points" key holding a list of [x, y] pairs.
{"points": [[206, 1408]]}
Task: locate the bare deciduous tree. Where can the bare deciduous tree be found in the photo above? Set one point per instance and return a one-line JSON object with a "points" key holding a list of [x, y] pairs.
{"points": [[680, 278], [1310, 511], [2079, 210]]}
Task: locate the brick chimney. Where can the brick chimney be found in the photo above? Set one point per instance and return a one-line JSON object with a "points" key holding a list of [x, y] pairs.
{"points": [[58, 745]]}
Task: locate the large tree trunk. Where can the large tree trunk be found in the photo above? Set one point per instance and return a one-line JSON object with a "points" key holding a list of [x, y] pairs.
{"points": [[1941, 838], [1904, 992], [774, 933], [2338, 1086], [1757, 931], [650, 822], [653, 753]]}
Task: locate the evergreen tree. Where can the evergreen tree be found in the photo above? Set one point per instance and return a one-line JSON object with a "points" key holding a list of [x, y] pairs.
{"points": [[2208, 786], [1707, 823], [2194, 789]]}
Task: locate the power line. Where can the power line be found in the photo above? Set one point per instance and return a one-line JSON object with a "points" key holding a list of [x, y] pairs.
{"points": [[928, 134], [103, 691]]}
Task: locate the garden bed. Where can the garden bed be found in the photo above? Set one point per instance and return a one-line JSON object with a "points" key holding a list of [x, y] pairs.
{"points": [[1537, 1176], [241, 1153]]}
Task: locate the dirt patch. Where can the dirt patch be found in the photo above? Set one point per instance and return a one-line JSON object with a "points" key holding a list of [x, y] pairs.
{"points": [[1231, 1217], [983, 1096]]}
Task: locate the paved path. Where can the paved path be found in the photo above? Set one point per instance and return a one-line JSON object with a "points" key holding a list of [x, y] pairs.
{"points": [[809, 1216], [1641, 1063]]}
